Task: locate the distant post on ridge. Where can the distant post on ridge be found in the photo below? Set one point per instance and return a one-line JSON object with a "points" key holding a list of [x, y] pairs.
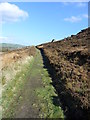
{"points": [[53, 40]]}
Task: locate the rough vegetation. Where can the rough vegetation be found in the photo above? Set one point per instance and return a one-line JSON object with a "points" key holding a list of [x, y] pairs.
{"points": [[14, 67], [16, 55], [68, 64]]}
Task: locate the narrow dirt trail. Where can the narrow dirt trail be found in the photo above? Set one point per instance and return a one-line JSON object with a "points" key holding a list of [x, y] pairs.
{"points": [[38, 97], [26, 107]]}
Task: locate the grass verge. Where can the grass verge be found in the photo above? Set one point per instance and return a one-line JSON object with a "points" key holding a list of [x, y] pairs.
{"points": [[12, 93], [47, 98]]}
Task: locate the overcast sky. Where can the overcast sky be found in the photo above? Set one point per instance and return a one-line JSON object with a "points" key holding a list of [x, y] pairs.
{"points": [[35, 23]]}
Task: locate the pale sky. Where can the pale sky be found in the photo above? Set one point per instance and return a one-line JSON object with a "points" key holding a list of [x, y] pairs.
{"points": [[34, 23]]}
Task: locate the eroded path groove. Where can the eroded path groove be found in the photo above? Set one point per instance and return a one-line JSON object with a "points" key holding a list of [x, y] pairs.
{"points": [[26, 107], [37, 94]]}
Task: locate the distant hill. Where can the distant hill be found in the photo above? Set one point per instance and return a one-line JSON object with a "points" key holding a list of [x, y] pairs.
{"points": [[7, 46]]}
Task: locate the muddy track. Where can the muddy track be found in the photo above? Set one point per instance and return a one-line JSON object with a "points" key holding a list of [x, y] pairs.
{"points": [[26, 109], [39, 98]]}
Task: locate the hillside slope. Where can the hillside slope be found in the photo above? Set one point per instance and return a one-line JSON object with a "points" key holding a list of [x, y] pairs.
{"points": [[15, 55], [6, 47], [68, 63]]}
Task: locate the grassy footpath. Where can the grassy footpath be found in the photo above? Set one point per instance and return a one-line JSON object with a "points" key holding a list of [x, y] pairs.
{"points": [[31, 94]]}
